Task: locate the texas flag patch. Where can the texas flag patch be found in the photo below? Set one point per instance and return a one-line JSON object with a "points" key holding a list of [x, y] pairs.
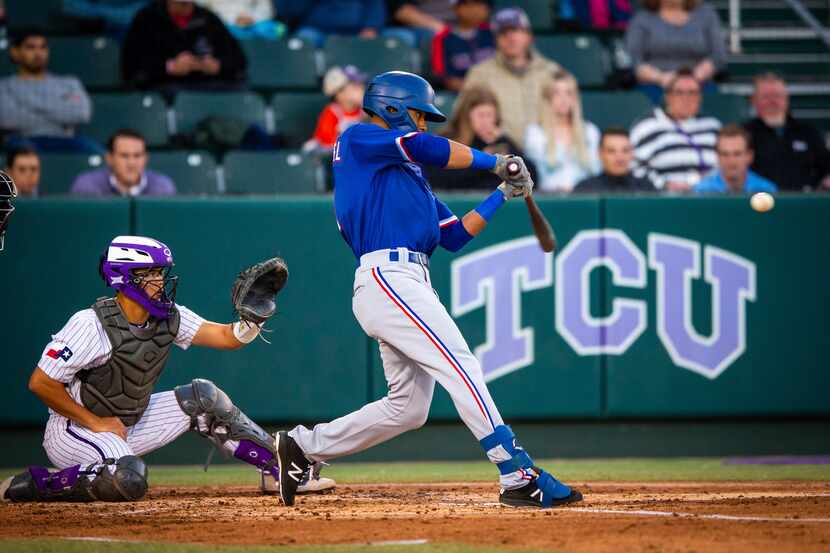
{"points": [[65, 353]]}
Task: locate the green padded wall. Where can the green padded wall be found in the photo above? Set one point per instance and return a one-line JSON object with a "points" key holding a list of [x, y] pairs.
{"points": [[784, 367], [320, 364]]}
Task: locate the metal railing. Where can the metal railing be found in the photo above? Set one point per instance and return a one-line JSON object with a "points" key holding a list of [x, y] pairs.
{"points": [[815, 27]]}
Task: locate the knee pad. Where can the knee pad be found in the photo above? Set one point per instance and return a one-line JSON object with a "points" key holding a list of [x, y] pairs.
{"points": [[126, 482], [503, 449], [224, 420], [130, 477]]}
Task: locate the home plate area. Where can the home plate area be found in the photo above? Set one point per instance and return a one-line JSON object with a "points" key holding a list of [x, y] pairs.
{"points": [[625, 516]]}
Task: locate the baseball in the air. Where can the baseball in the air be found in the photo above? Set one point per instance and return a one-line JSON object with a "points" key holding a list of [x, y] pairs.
{"points": [[762, 201]]}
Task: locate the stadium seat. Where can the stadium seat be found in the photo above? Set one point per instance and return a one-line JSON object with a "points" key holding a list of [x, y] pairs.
{"points": [[58, 171], [192, 107], [94, 60], [727, 108], [540, 12], [284, 172], [614, 109], [145, 113], [44, 14], [295, 115], [285, 64], [582, 55], [445, 101], [6, 65], [372, 56], [194, 172]]}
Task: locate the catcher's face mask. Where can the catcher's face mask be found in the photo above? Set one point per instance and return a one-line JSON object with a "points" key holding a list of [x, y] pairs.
{"points": [[8, 191]]}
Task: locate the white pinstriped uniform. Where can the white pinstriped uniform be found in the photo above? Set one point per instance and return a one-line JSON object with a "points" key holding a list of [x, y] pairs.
{"points": [[83, 344]]}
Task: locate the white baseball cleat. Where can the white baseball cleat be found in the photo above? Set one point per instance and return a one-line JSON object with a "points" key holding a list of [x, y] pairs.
{"points": [[311, 482]]}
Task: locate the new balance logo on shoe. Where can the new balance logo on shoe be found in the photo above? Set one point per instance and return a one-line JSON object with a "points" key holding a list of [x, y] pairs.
{"points": [[296, 473]]}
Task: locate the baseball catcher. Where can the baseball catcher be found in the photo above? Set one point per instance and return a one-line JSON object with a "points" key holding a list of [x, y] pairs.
{"points": [[98, 373]]}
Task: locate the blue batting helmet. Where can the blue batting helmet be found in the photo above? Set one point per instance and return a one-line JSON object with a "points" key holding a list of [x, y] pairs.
{"points": [[390, 94]]}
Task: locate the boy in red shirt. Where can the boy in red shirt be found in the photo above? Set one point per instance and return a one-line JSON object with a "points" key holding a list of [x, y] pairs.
{"points": [[345, 85]]}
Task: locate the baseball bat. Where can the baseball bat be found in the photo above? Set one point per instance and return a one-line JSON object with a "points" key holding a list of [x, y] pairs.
{"points": [[541, 226]]}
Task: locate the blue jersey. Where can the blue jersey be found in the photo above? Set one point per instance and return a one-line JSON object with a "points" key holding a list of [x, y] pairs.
{"points": [[381, 198]]}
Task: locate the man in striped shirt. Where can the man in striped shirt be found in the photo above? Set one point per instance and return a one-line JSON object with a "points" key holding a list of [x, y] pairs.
{"points": [[675, 147]]}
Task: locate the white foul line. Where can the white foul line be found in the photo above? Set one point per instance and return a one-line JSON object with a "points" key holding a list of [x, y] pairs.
{"points": [[693, 515], [399, 542]]}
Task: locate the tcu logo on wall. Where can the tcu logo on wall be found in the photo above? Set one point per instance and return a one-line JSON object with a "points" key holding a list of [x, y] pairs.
{"points": [[495, 277]]}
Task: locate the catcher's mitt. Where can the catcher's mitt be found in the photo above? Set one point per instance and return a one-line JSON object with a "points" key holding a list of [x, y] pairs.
{"points": [[255, 290]]}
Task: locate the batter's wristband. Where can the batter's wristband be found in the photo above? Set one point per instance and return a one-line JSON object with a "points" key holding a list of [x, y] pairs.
{"points": [[489, 206], [482, 160]]}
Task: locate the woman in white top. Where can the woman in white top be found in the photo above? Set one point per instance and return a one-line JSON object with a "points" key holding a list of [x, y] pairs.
{"points": [[564, 147]]}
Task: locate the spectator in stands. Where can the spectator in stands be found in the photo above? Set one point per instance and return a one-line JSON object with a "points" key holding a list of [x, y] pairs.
{"points": [[600, 15], [670, 34], [457, 48], [675, 147], [345, 86], [23, 165], [516, 74], [126, 173], [564, 146], [419, 20], [42, 107], [616, 155], [790, 152], [247, 19], [115, 15], [317, 19], [174, 45], [734, 158], [475, 122]]}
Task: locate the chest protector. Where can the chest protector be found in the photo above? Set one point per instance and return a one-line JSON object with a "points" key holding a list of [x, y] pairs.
{"points": [[122, 386]]}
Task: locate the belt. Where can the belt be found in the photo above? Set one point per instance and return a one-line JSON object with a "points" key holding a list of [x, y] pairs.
{"points": [[413, 257], [398, 255]]}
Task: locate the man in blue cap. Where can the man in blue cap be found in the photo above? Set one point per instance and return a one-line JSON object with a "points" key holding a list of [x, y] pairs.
{"points": [[392, 221]]}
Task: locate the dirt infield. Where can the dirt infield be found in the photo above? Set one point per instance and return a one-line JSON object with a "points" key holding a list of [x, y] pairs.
{"points": [[632, 517]]}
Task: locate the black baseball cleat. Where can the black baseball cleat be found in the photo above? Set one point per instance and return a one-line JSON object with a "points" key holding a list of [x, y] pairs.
{"points": [[293, 465], [543, 492]]}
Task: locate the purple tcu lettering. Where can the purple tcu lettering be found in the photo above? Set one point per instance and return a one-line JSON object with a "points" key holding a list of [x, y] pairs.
{"points": [[677, 262], [495, 278], [586, 334]]}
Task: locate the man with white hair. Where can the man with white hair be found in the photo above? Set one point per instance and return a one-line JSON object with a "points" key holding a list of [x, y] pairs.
{"points": [[789, 152]]}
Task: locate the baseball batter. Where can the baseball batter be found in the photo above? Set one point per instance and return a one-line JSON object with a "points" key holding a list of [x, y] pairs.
{"points": [[97, 377], [392, 221]]}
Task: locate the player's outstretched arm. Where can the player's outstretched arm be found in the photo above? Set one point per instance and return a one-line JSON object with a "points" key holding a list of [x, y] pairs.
{"points": [[222, 336], [53, 393]]}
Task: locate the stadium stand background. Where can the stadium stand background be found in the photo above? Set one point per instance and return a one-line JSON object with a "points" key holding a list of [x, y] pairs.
{"points": [[284, 87]]}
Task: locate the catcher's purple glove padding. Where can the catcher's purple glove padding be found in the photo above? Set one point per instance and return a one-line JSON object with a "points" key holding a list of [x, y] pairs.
{"points": [[255, 290]]}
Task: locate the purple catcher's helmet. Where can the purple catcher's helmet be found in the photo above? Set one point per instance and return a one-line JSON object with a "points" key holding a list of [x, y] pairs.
{"points": [[124, 261], [8, 192]]}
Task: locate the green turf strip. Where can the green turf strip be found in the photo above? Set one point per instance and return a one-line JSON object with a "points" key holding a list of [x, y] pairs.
{"points": [[594, 470], [73, 546]]}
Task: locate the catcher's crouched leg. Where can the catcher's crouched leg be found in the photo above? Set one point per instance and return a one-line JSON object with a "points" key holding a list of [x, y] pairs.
{"points": [[124, 479], [218, 419]]}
